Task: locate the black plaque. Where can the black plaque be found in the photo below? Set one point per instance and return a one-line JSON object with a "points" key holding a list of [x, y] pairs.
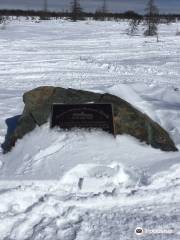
{"points": [[88, 116]]}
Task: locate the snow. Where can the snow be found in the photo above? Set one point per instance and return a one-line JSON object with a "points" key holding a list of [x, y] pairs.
{"points": [[80, 184]]}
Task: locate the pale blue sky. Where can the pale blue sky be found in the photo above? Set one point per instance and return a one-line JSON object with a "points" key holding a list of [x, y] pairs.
{"points": [[165, 6]]}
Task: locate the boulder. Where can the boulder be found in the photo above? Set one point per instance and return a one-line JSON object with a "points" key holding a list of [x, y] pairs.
{"points": [[127, 119]]}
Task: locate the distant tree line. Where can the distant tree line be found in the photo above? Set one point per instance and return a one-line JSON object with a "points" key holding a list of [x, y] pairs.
{"points": [[98, 15], [67, 14]]}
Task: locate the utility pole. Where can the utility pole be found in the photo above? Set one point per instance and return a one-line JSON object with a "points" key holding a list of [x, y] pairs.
{"points": [[45, 5], [104, 8]]}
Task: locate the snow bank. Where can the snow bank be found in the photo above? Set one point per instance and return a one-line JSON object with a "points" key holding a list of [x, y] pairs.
{"points": [[93, 178], [50, 153]]}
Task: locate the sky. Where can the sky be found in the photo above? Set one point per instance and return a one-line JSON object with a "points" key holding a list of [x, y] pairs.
{"points": [[165, 6]]}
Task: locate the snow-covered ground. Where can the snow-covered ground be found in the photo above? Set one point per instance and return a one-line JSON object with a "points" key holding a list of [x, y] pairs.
{"points": [[80, 185]]}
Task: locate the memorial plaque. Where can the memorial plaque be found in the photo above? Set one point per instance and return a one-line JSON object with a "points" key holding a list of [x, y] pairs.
{"points": [[88, 116]]}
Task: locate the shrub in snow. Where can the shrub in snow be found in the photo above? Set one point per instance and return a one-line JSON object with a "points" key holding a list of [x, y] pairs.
{"points": [[76, 11], [3, 22], [133, 26]]}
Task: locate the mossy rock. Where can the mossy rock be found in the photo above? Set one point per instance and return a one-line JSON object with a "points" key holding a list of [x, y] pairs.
{"points": [[127, 119]]}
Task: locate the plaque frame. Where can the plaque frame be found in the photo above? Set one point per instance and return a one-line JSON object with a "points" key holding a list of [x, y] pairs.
{"points": [[100, 110]]}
